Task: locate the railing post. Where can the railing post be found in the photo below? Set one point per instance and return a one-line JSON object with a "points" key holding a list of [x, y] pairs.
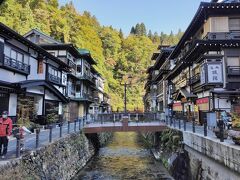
{"points": [[171, 120], [18, 145], [129, 117], [179, 123], [184, 124], [205, 126], [114, 117], [79, 124], [167, 119], [69, 127], [193, 125], [221, 129], [37, 137], [75, 125], [137, 117], [83, 121], [174, 122], [101, 118], [50, 133], [60, 133]]}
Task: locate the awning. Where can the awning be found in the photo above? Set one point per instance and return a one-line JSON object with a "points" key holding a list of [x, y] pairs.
{"points": [[50, 87], [184, 93]]}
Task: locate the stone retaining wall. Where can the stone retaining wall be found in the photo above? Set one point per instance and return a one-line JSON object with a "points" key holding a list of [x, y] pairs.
{"points": [[59, 160], [198, 157]]}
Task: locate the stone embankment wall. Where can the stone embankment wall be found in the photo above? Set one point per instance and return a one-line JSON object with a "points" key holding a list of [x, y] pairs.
{"points": [[60, 160], [190, 156], [211, 159]]}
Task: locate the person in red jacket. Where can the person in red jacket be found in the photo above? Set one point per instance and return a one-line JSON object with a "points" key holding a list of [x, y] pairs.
{"points": [[5, 132]]}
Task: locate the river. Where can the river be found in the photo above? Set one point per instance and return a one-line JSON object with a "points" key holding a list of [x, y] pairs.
{"points": [[123, 158]]}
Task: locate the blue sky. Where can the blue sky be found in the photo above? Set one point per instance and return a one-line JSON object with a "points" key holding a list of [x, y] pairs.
{"points": [[158, 15]]}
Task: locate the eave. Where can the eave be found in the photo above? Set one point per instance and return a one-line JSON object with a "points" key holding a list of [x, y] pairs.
{"points": [[198, 48], [205, 11]]}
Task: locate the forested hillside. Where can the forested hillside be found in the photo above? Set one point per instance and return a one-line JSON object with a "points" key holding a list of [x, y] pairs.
{"points": [[117, 55]]}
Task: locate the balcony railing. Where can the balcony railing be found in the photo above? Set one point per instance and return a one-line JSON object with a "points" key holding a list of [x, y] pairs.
{"points": [[54, 79], [15, 65], [233, 70], [223, 36], [84, 97], [194, 79], [87, 77]]}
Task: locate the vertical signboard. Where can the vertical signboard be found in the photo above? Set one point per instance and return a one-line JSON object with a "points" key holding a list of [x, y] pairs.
{"points": [[211, 73], [203, 74], [215, 74], [64, 79]]}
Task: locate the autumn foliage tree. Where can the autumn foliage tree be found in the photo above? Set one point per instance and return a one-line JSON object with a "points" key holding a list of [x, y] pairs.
{"points": [[117, 54]]}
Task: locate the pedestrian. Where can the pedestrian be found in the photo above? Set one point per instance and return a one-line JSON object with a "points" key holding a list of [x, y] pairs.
{"points": [[5, 132]]}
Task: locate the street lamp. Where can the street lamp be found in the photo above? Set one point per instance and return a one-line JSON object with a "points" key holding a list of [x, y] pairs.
{"points": [[125, 93]]}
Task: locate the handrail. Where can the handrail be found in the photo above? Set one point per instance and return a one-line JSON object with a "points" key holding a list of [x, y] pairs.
{"points": [[54, 78], [15, 64], [194, 79], [222, 36]]}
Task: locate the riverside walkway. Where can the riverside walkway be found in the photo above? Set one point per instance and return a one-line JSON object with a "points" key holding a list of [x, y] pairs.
{"points": [[43, 138]]}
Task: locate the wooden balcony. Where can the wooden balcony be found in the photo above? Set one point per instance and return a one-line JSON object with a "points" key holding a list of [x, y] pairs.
{"points": [[54, 79], [194, 79], [14, 65], [87, 77], [84, 97]]}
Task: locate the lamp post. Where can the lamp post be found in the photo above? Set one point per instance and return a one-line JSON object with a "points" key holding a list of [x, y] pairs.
{"points": [[125, 98], [125, 93]]}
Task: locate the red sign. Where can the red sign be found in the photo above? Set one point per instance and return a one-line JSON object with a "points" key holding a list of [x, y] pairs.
{"points": [[202, 101]]}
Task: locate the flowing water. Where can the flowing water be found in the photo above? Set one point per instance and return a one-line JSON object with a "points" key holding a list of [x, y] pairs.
{"points": [[123, 158]]}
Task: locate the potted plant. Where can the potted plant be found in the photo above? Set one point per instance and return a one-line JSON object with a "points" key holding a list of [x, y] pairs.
{"points": [[234, 133]]}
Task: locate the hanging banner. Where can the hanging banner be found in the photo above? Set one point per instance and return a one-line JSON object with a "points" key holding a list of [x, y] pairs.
{"points": [[203, 104], [177, 107]]}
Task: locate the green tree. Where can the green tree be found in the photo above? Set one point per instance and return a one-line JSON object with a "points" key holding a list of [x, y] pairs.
{"points": [[132, 30], [143, 31], [121, 34], [117, 56], [150, 35], [138, 29]]}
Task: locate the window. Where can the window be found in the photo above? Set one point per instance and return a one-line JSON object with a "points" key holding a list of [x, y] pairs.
{"points": [[69, 56], [233, 61], [52, 53], [78, 88], [79, 68], [17, 55], [53, 71], [234, 24]]}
